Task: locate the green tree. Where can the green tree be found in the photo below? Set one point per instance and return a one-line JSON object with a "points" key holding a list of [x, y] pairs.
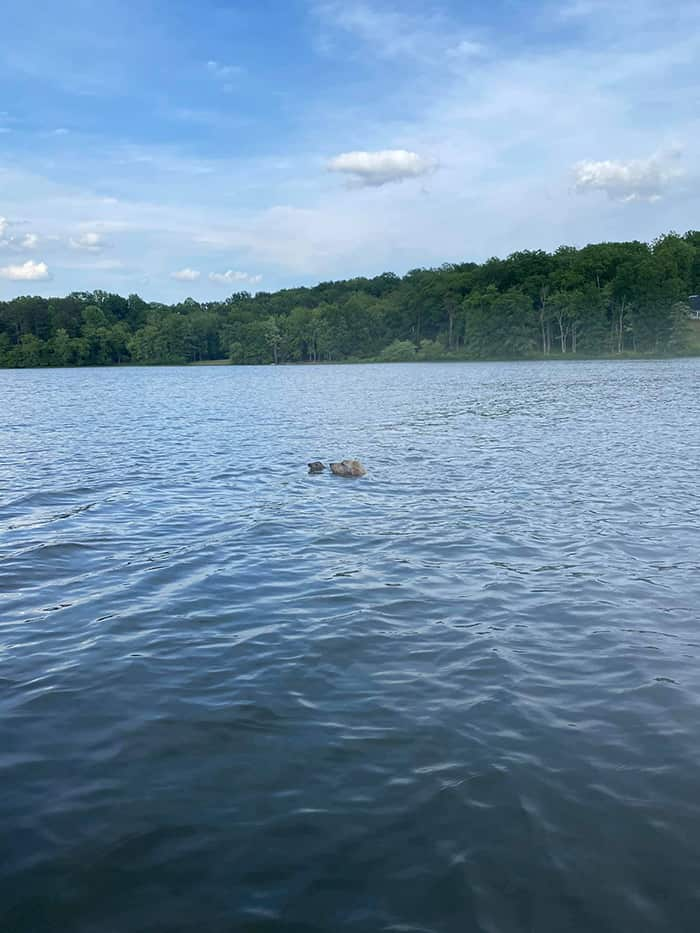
{"points": [[398, 351], [63, 351], [605, 297]]}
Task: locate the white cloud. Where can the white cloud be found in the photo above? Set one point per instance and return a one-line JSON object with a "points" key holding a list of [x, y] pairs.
{"points": [[372, 169], [28, 271], [186, 275], [10, 241], [94, 242], [632, 180], [230, 277], [506, 128]]}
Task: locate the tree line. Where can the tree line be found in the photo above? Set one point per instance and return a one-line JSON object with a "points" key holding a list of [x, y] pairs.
{"points": [[605, 298]]}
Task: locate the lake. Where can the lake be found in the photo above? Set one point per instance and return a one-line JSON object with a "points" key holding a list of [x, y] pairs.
{"points": [[460, 694]]}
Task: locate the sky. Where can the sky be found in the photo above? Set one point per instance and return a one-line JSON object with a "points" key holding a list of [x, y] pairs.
{"points": [[176, 149]]}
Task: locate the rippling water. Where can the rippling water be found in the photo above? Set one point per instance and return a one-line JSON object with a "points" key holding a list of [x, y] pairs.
{"points": [[461, 694]]}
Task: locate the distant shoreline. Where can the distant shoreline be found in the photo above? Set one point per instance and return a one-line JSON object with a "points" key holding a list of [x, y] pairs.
{"points": [[629, 300], [552, 358]]}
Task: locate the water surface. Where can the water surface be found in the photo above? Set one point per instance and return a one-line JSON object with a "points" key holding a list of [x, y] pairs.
{"points": [[461, 694]]}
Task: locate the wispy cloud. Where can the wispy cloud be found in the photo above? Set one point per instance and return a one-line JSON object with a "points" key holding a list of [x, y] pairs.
{"points": [[92, 241], [185, 275], [16, 242], [27, 271], [101, 265], [230, 277], [392, 32], [389, 32], [160, 159], [631, 180], [507, 108], [639, 11], [374, 169], [465, 49]]}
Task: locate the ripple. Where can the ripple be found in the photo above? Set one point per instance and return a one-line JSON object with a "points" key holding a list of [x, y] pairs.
{"points": [[462, 693]]}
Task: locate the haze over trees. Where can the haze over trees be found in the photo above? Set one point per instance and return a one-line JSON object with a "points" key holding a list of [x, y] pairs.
{"points": [[606, 298]]}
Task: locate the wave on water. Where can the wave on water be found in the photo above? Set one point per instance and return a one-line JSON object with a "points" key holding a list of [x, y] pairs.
{"points": [[460, 693]]}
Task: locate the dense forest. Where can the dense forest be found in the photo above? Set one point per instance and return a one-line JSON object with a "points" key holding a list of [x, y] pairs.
{"points": [[606, 298]]}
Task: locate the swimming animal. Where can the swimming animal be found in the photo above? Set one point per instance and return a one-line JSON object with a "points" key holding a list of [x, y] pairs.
{"points": [[316, 467], [348, 468]]}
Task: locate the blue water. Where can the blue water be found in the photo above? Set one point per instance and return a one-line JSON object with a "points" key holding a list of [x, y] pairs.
{"points": [[460, 694]]}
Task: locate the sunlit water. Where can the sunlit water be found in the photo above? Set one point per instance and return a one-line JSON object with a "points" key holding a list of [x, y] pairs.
{"points": [[461, 694]]}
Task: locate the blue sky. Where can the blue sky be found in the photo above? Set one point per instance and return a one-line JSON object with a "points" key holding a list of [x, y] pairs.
{"points": [[175, 149]]}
